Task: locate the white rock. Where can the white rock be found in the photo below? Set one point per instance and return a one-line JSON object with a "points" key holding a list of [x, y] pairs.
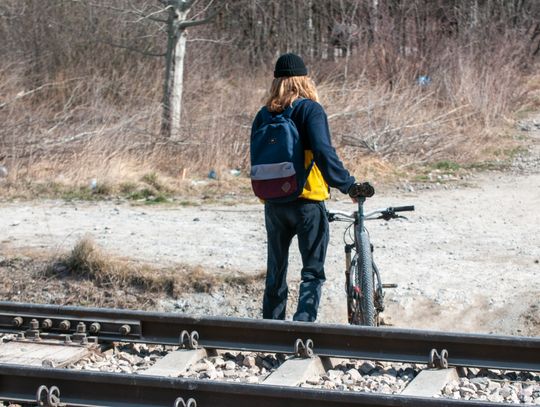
{"points": [[329, 385], [201, 367], [493, 385], [211, 372], [354, 374], [229, 374], [334, 375], [465, 391], [448, 390], [505, 392], [219, 362], [254, 370]]}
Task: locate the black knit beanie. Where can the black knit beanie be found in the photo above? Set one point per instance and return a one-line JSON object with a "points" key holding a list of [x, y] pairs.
{"points": [[289, 65]]}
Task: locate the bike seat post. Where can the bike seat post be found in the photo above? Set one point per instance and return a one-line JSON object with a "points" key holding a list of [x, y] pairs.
{"points": [[360, 216]]}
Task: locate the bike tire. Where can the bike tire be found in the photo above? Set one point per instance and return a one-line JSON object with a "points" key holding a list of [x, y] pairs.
{"points": [[365, 280]]}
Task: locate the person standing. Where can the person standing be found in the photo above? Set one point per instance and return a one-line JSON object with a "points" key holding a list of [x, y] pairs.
{"points": [[305, 216]]}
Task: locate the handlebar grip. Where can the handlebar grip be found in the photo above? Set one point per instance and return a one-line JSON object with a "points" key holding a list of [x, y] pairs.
{"points": [[404, 208]]}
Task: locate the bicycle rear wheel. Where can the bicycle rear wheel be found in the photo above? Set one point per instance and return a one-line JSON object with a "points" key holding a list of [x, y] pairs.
{"points": [[365, 281]]}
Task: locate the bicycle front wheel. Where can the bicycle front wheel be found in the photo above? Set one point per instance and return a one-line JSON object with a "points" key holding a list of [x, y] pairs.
{"points": [[365, 281]]}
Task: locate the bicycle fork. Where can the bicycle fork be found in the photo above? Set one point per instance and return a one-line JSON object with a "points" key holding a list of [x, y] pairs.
{"points": [[348, 285], [348, 251]]}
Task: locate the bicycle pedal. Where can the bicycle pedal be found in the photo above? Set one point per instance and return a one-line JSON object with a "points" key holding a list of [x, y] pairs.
{"points": [[389, 285]]}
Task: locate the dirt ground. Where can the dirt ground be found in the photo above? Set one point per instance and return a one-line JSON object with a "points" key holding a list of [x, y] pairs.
{"points": [[466, 260]]}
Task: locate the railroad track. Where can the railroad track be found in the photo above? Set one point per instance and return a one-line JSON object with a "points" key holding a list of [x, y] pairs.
{"points": [[24, 384], [20, 384]]}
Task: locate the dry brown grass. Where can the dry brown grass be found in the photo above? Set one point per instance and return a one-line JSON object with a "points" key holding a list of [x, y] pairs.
{"points": [[89, 262], [62, 136]]}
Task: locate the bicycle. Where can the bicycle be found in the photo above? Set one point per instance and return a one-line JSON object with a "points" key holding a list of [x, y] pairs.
{"points": [[363, 283]]}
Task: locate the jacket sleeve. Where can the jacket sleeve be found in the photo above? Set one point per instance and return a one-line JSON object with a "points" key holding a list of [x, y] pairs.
{"points": [[324, 154]]}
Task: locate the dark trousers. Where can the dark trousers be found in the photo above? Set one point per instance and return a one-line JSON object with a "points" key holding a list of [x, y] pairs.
{"points": [[307, 220]]}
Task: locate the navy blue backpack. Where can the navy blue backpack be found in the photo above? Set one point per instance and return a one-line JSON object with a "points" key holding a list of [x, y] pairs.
{"points": [[277, 158]]}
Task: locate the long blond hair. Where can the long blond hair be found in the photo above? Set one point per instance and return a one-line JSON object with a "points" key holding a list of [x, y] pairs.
{"points": [[285, 90]]}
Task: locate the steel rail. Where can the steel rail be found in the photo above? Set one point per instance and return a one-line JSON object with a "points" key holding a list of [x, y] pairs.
{"points": [[20, 384], [386, 344]]}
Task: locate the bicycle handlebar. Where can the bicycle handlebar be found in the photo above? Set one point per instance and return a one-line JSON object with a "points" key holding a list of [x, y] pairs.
{"points": [[339, 215], [385, 213]]}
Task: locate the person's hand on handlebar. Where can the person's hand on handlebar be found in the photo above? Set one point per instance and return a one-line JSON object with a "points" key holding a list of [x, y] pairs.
{"points": [[364, 189]]}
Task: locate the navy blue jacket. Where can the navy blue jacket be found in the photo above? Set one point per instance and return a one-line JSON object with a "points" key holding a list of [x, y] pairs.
{"points": [[312, 124]]}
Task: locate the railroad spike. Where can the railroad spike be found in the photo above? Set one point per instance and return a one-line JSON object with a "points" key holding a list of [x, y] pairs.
{"points": [[53, 398], [438, 360], [303, 349], [189, 340], [48, 397], [179, 402]]}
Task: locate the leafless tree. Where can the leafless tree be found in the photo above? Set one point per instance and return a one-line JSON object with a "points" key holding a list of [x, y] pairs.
{"points": [[176, 16], [178, 21]]}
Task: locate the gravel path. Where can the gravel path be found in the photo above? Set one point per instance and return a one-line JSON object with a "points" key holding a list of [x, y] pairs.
{"points": [[466, 260]]}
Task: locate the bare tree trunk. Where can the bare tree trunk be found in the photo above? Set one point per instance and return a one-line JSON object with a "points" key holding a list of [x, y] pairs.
{"points": [[178, 81], [474, 13], [177, 23], [174, 74], [310, 30], [168, 81]]}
